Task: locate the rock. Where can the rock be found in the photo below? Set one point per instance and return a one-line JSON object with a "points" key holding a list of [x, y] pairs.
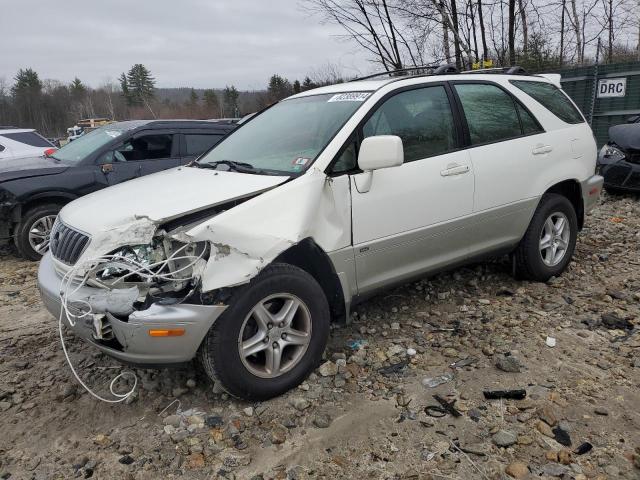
{"points": [[248, 411], [322, 420], [191, 383], [278, 434], [562, 436], [235, 460], [101, 440], [554, 469], [126, 460], [173, 420], [517, 470], [565, 457], [300, 403], [195, 420], [195, 461], [601, 411], [179, 391], [328, 369], [547, 415], [504, 438], [509, 364], [544, 429], [213, 421], [524, 440]]}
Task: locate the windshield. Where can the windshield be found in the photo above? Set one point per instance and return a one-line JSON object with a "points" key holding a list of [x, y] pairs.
{"points": [[74, 152], [290, 135]]}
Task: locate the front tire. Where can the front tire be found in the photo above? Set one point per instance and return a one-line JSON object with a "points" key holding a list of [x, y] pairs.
{"points": [[32, 233], [271, 336], [548, 245]]}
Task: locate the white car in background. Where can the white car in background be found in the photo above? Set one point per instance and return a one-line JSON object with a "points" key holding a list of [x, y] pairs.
{"points": [[23, 142]]}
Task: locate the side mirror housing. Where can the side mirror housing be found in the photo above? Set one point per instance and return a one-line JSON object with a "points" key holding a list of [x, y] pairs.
{"points": [[382, 151]]}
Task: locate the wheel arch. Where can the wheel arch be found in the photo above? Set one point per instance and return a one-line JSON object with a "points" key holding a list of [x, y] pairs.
{"points": [[571, 190], [60, 198], [308, 256]]}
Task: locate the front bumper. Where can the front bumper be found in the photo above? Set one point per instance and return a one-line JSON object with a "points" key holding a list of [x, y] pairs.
{"points": [[134, 344], [591, 189], [621, 175]]}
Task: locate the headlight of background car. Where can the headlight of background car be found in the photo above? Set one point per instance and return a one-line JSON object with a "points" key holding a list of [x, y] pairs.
{"points": [[610, 154]]}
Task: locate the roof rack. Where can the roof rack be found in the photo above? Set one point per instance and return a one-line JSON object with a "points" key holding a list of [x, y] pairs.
{"points": [[420, 71], [514, 70]]}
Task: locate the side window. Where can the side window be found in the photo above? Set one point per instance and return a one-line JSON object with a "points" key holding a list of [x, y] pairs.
{"points": [[491, 113], [348, 159], [552, 98], [421, 117], [146, 147], [196, 144], [529, 124]]}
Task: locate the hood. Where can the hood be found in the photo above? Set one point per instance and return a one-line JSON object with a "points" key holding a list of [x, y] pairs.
{"points": [[161, 197], [626, 137], [26, 167]]}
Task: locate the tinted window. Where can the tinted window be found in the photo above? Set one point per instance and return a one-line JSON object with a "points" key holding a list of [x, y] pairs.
{"points": [[552, 98], [490, 112], [146, 147], [421, 117], [529, 124], [200, 143], [29, 138]]}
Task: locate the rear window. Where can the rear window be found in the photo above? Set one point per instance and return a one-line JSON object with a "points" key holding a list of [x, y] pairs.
{"points": [[197, 144], [552, 98], [29, 138]]}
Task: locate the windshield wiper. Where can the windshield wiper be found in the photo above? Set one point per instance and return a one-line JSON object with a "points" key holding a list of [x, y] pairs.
{"points": [[241, 167]]}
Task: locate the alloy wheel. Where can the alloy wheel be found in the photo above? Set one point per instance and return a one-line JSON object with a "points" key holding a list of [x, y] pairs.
{"points": [[554, 239], [275, 335], [40, 233]]}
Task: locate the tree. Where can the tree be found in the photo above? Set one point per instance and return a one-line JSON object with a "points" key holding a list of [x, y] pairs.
{"points": [[77, 89], [297, 88], [140, 85], [230, 96], [124, 87], [27, 96], [211, 103], [279, 88]]}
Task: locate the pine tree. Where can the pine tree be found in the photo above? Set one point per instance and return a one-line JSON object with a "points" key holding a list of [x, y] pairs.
{"points": [[231, 101], [308, 84], [140, 85], [279, 88], [27, 97], [211, 102], [297, 88], [124, 86], [193, 97]]}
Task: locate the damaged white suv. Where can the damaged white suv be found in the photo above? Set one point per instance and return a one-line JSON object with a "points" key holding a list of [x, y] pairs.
{"points": [[245, 257]]}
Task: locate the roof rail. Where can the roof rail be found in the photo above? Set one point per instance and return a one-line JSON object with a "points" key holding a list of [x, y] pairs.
{"points": [[514, 70], [420, 69]]}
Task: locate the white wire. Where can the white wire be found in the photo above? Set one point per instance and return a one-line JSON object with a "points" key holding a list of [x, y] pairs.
{"points": [[135, 268]]}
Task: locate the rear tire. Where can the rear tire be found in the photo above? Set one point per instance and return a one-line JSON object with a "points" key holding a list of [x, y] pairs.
{"points": [[545, 250], [32, 233], [274, 333]]}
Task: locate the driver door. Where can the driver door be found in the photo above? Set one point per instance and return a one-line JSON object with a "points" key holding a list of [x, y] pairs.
{"points": [[414, 218], [141, 154]]}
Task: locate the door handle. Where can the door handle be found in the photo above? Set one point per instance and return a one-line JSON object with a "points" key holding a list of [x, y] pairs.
{"points": [[542, 149], [454, 169]]}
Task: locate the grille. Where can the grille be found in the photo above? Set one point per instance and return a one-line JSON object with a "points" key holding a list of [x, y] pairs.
{"points": [[67, 244]]}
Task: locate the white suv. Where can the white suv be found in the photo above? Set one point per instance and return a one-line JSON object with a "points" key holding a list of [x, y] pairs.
{"points": [[22, 142], [244, 257]]}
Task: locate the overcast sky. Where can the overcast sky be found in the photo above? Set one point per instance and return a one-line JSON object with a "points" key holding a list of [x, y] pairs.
{"points": [[199, 43]]}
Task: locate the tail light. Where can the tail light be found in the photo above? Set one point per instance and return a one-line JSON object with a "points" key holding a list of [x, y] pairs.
{"points": [[49, 151]]}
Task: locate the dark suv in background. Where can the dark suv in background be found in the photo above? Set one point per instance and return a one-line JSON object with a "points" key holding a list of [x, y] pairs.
{"points": [[33, 190]]}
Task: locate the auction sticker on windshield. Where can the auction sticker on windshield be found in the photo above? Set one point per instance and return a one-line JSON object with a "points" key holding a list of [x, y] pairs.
{"points": [[350, 97]]}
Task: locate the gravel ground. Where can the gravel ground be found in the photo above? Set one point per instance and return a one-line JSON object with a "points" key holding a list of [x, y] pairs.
{"points": [[363, 413]]}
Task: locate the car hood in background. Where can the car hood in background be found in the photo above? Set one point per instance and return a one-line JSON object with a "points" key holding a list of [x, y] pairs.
{"points": [[26, 167], [162, 196], [626, 136]]}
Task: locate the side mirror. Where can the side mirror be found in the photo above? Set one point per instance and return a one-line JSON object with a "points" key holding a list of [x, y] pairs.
{"points": [[382, 151]]}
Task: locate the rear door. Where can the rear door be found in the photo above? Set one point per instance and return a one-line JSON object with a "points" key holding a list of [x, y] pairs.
{"points": [[507, 145], [194, 142]]}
